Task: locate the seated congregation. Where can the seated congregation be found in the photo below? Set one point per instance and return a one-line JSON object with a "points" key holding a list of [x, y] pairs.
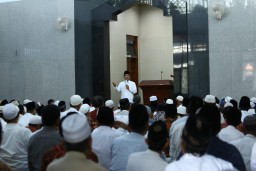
{"points": [[178, 134]]}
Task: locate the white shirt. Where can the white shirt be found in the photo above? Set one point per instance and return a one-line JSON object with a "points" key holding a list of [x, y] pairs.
{"points": [[102, 138], [251, 111], [25, 119], [71, 109], [122, 116], [127, 93], [230, 133], [244, 145], [13, 149], [3, 123], [175, 137], [189, 162], [146, 161], [244, 114], [253, 158], [116, 111], [123, 146]]}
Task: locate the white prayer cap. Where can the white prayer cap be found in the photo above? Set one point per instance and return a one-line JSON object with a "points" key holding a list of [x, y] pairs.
{"points": [[109, 103], [152, 98], [210, 99], [180, 98], [10, 111], [36, 120], [228, 105], [252, 104], [85, 108], [26, 101], [15, 102], [169, 101], [56, 102], [182, 110], [253, 99], [76, 100], [75, 128], [227, 99]]}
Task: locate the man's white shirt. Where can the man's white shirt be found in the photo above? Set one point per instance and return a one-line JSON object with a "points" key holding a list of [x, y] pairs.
{"points": [[125, 93]]}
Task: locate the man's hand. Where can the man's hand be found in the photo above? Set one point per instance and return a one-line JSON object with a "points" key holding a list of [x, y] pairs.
{"points": [[127, 86], [114, 84]]}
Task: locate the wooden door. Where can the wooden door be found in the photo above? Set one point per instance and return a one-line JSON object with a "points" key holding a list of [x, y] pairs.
{"points": [[132, 57]]}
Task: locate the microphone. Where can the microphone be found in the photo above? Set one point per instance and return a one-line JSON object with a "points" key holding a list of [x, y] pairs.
{"points": [[161, 75]]}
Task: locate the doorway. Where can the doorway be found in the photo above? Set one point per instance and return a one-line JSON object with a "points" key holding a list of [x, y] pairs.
{"points": [[132, 57]]}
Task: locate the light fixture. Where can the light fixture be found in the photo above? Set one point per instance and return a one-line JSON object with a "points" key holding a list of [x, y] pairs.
{"points": [[63, 24], [149, 2], [217, 9]]}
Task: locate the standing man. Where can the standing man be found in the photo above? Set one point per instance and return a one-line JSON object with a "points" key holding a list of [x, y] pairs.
{"points": [[127, 88]]}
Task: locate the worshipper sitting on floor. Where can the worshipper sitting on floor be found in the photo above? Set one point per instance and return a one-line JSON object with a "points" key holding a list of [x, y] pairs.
{"points": [[50, 102], [75, 104], [3, 166], [59, 151], [76, 133], [179, 100], [110, 104], [244, 106], [97, 102], [31, 111], [160, 112], [130, 143], [122, 116], [217, 147], [232, 116], [103, 136], [245, 144], [171, 116], [136, 100], [195, 139], [4, 102], [13, 149], [62, 106], [87, 100], [15, 102], [209, 100], [177, 127], [39, 110], [234, 103], [35, 123], [182, 111], [84, 109], [153, 103], [150, 114], [22, 110], [253, 158], [44, 139], [2, 117], [251, 111], [151, 160]]}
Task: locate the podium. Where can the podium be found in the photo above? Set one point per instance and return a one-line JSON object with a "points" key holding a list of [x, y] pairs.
{"points": [[163, 89]]}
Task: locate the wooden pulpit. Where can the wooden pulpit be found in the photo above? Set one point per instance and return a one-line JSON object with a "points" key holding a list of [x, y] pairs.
{"points": [[163, 89]]}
